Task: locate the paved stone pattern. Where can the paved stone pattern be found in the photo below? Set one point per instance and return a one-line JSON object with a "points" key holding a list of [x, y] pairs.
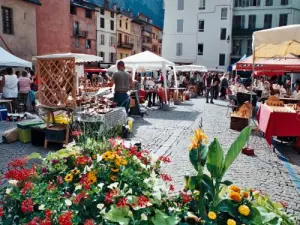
{"points": [[167, 133]]}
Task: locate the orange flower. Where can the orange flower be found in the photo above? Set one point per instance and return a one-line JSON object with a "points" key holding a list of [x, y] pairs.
{"points": [[235, 196], [245, 194], [235, 188]]}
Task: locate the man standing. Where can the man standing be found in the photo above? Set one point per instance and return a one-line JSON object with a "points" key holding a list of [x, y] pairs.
{"points": [[209, 88], [123, 82]]}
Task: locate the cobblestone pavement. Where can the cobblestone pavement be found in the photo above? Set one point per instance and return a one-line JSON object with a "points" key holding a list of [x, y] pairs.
{"points": [[167, 133]]}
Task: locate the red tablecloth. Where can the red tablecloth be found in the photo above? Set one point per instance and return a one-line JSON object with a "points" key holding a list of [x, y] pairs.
{"points": [[160, 92], [278, 123]]}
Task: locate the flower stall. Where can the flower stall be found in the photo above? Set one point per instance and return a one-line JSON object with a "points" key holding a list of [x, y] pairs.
{"points": [[111, 182]]}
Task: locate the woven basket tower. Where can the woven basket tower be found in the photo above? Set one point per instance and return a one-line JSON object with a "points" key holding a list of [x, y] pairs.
{"points": [[57, 82]]}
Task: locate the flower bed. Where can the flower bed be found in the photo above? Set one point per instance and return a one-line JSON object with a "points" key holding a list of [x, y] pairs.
{"points": [[106, 183]]}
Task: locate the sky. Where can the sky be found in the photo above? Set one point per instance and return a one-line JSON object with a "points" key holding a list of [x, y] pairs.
{"points": [[151, 8]]}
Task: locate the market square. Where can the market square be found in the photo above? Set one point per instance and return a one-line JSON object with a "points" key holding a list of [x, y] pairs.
{"points": [[138, 113]]}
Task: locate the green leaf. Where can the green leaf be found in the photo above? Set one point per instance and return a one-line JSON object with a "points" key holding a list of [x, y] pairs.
{"points": [[34, 155], [193, 155], [215, 158], [161, 218], [118, 215], [227, 206], [236, 148], [207, 185], [265, 215], [193, 182], [227, 182]]}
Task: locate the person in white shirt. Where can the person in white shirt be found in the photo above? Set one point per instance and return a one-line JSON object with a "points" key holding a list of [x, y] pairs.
{"points": [[10, 87]]}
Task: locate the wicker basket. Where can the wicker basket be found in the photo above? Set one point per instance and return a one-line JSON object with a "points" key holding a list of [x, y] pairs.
{"points": [[238, 123]]}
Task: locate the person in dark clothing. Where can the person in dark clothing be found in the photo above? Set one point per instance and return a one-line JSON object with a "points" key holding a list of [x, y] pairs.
{"points": [[209, 88], [224, 86], [216, 86]]}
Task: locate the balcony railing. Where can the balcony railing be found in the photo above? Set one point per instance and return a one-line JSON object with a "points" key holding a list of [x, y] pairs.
{"points": [[147, 44], [80, 33], [125, 45], [146, 33], [244, 31]]}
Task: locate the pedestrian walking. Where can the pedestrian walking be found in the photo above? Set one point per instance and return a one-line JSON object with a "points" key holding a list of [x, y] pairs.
{"points": [[216, 86], [224, 86], [209, 88]]}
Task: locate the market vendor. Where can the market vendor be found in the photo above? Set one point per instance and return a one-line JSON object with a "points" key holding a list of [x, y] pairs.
{"points": [[123, 83]]}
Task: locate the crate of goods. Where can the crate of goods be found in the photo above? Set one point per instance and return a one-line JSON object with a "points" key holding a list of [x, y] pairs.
{"points": [[24, 129], [38, 134], [238, 123], [3, 113], [56, 133]]}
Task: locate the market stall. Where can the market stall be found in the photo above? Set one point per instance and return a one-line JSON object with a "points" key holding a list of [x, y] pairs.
{"points": [[9, 60], [275, 118]]}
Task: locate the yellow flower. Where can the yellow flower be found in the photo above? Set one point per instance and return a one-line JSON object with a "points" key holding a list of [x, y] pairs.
{"points": [[115, 169], [245, 194], [68, 177], [112, 156], [235, 188], [106, 155], [194, 144], [94, 157], [113, 178], [244, 210], [76, 171], [92, 177], [231, 222], [200, 136], [212, 215], [123, 162], [235, 196]]}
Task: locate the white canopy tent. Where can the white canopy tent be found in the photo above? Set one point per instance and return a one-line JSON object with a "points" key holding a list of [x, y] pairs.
{"points": [[79, 58], [150, 60], [9, 60], [191, 68]]}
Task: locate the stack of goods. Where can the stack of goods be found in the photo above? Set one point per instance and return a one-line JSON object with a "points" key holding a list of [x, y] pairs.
{"points": [[274, 101], [240, 119], [98, 106]]}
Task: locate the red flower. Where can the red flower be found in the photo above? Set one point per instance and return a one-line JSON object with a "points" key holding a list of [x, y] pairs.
{"points": [[1, 212], [60, 179], [166, 177], [65, 219], [20, 174], [85, 182], [143, 201], [109, 197], [89, 222], [27, 186], [79, 197], [48, 213], [172, 188], [76, 133], [18, 163], [51, 186], [164, 159], [83, 160], [122, 202], [185, 197], [284, 204], [27, 206]]}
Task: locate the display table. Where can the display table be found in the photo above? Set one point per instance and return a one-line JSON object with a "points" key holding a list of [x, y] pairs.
{"points": [[280, 124], [290, 100]]}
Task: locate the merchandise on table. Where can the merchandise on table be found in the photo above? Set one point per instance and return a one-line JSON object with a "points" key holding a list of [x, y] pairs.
{"points": [[274, 101]]}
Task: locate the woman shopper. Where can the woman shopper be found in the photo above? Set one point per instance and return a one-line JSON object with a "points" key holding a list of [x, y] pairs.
{"points": [[10, 87], [24, 87], [224, 86]]}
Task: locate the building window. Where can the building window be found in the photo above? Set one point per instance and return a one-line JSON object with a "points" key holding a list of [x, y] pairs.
{"points": [[7, 20], [121, 55], [120, 23], [284, 2], [102, 23], [126, 25], [102, 11], [77, 42], [76, 28], [269, 2], [239, 22], [221, 59], [201, 26], [224, 12], [102, 39], [223, 34], [88, 27], [112, 41], [159, 51], [236, 47], [246, 3], [249, 47], [179, 26], [179, 49], [252, 22], [73, 10], [202, 4], [112, 14], [112, 25], [283, 19], [88, 44], [112, 57], [180, 4], [200, 49], [102, 54], [88, 14], [268, 21]]}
